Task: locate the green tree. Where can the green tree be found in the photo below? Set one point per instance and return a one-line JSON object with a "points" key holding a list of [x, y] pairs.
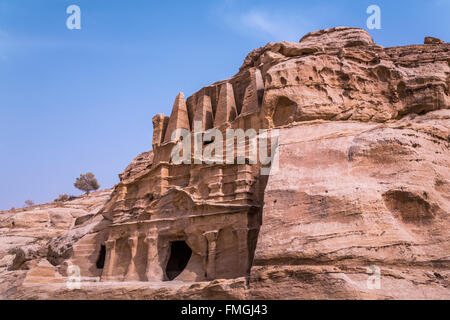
{"points": [[62, 198], [29, 203], [86, 182]]}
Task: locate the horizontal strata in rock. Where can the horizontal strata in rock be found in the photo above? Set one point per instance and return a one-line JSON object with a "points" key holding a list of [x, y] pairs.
{"points": [[363, 181]]}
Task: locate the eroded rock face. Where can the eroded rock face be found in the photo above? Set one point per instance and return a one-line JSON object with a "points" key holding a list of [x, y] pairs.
{"points": [[349, 195], [28, 237], [356, 80], [432, 40], [362, 181]]}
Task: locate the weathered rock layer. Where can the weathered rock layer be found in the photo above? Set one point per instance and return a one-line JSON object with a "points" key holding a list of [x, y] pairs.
{"points": [[362, 183]]}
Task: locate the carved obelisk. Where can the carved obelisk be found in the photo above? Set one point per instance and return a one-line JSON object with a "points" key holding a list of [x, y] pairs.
{"points": [[179, 118], [226, 106], [253, 93], [203, 113]]}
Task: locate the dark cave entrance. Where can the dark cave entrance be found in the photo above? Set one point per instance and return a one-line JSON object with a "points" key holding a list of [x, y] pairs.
{"points": [[101, 258], [180, 253]]}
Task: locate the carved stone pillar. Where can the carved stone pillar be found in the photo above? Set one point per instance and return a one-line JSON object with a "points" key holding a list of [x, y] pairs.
{"points": [[153, 270], [164, 175], [120, 202], [244, 182], [241, 235], [108, 269], [215, 188], [160, 123], [132, 274], [211, 237]]}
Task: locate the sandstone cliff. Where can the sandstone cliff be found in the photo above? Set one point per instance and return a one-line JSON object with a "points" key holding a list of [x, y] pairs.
{"points": [[363, 181]]}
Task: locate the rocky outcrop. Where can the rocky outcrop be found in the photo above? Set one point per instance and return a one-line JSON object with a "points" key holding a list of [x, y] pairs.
{"points": [[351, 195], [433, 40], [356, 206], [28, 235], [351, 78]]}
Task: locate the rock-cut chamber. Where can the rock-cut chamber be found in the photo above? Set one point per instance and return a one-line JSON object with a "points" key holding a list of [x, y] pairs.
{"points": [[180, 253]]}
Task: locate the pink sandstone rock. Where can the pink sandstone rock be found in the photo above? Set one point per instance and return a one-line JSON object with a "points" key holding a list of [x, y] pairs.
{"points": [[363, 184], [179, 117], [226, 106]]}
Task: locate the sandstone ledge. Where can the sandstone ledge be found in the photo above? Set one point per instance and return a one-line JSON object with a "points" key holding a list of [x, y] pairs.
{"points": [[363, 180]]}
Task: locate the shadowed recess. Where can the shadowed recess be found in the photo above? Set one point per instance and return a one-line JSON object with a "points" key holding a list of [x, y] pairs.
{"points": [[180, 253]]}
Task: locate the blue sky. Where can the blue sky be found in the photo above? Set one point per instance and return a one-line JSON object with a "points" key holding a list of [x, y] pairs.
{"points": [[73, 101]]}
